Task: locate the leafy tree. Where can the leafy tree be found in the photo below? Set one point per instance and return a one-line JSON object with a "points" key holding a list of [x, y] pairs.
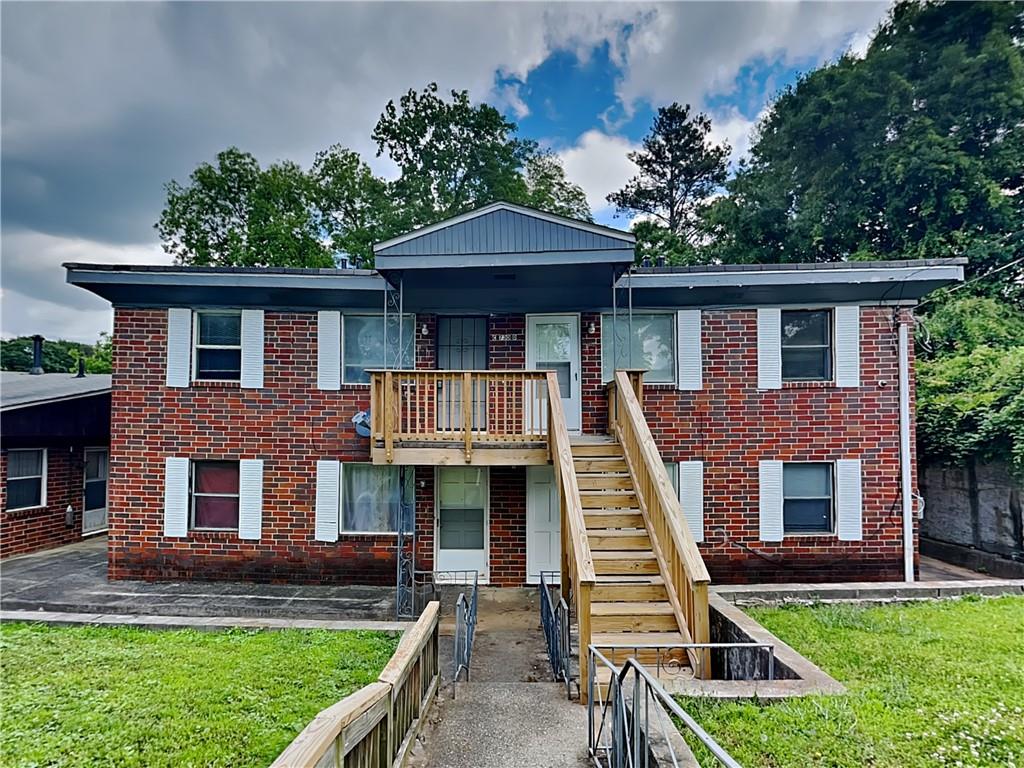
{"points": [[915, 150], [237, 214], [59, 355], [353, 207], [453, 156], [548, 189], [680, 167]]}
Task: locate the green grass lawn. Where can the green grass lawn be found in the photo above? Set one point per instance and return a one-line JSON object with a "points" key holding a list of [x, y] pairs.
{"points": [[929, 684], [110, 696]]}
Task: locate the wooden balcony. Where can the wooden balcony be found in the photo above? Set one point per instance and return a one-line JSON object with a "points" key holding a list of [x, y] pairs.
{"points": [[481, 418]]}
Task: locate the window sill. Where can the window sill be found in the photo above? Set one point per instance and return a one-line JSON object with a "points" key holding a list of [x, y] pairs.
{"points": [[808, 385], [365, 534], [217, 532], [810, 535], [27, 511], [216, 384]]}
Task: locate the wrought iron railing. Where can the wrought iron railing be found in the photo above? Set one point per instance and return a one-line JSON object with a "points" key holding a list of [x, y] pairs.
{"points": [[631, 717], [554, 620], [465, 629]]}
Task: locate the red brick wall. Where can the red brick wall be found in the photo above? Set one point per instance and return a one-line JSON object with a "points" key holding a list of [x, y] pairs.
{"points": [[29, 530], [290, 424], [731, 426], [508, 526]]}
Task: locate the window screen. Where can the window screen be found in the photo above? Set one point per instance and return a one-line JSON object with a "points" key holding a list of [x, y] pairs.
{"points": [[651, 345], [807, 498], [807, 345]]}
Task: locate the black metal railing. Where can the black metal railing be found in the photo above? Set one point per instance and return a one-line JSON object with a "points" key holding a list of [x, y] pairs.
{"points": [[631, 718], [465, 629], [554, 620]]}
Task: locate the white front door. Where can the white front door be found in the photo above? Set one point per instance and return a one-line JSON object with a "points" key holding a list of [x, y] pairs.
{"points": [[461, 533], [553, 344], [543, 525], [94, 515]]}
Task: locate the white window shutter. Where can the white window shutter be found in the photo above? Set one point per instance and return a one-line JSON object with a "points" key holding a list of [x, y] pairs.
{"points": [[250, 498], [849, 512], [327, 509], [770, 500], [688, 349], [252, 348], [691, 496], [769, 349], [179, 347], [175, 496], [847, 340], [328, 350]]}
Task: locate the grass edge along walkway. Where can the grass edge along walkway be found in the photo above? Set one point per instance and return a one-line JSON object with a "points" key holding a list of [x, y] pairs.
{"points": [[929, 684], [124, 696]]}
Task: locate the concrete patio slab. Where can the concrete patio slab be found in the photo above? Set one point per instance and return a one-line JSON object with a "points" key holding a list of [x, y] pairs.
{"points": [[73, 579]]}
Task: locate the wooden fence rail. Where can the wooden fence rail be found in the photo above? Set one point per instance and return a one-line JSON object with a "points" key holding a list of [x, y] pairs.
{"points": [[375, 727]]}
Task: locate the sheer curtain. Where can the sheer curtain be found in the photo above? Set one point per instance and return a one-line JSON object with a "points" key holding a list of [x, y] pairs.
{"points": [[372, 498]]}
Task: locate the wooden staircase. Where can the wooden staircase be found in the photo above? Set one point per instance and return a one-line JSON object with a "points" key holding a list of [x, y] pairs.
{"points": [[629, 602]]}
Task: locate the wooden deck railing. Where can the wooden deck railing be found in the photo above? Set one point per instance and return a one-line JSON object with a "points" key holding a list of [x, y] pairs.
{"points": [[375, 727], [577, 569], [425, 407], [687, 577]]}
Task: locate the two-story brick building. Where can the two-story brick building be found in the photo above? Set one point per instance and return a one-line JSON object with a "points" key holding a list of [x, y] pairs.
{"points": [[779, 398]]}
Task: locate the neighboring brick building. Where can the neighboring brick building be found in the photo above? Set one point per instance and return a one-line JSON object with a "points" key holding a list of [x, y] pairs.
{"points": [[55, 430], [773, 394]]}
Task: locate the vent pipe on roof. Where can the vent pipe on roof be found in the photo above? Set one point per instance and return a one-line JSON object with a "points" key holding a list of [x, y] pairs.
{"points": [[37, 355], [81, 368]]}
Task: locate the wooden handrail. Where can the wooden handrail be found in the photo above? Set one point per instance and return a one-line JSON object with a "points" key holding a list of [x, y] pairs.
{"points": [[686, 575], [380, 719], [577, 564], [457, 407]]}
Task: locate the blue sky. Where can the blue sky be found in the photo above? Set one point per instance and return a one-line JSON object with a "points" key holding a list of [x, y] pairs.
{"points": [[103, 103]]}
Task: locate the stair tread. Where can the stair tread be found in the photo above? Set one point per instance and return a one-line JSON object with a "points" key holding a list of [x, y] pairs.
{"points": [[628, 580], [621, 532], [633, 608], [636, 638], [620, 554]]}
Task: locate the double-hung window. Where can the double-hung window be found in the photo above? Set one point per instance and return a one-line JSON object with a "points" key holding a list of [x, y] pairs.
{"points": [[26, 479], [218, 346], [364, 347], [215, 495], [371, 498], [648, 342], [807, 497], [807, 345]]}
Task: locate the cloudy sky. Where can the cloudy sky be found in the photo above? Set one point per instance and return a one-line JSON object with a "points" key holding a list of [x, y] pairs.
{"points": [[103, 103]]}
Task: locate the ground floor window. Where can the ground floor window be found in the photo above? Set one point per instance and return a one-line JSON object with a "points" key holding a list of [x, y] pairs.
{"points": [[26, 479], [372, 496], [95, 478], [215, 495], [807, 505]]}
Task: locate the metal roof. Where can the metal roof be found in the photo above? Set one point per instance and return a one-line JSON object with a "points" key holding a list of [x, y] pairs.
{"points": [[19, 390]]}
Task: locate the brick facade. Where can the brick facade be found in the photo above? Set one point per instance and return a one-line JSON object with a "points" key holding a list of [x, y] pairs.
{"points": [[30, 530], [291, 424]]}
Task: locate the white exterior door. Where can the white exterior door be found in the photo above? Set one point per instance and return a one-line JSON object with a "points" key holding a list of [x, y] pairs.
{"points": [[462, 525], [553, 344], [543, 525], [94, 506]]}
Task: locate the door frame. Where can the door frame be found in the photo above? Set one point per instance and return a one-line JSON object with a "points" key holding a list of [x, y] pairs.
{"points": [[484, 576], [577, 359], [529, 578], [106, 499]]}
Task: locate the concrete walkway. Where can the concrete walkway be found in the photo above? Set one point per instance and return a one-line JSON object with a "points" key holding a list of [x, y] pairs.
{"points": [[73, 579], [509, 715]]}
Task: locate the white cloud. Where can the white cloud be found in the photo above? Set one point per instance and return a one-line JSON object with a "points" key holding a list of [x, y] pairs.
{"points": [[598, 163], [36, 299]]}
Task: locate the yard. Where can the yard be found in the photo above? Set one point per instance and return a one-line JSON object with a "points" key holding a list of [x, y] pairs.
{"points": [[929, 684], [134, 697]]}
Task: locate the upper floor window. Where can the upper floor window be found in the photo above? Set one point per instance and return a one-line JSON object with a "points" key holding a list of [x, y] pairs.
{"points": [[807, 498], [215, 495], [806, 345], [26, 479], [363, 346], [651, 345], [218, 346]]}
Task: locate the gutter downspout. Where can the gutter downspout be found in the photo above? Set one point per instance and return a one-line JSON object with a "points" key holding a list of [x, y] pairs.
{"points": [[906, 490]]}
